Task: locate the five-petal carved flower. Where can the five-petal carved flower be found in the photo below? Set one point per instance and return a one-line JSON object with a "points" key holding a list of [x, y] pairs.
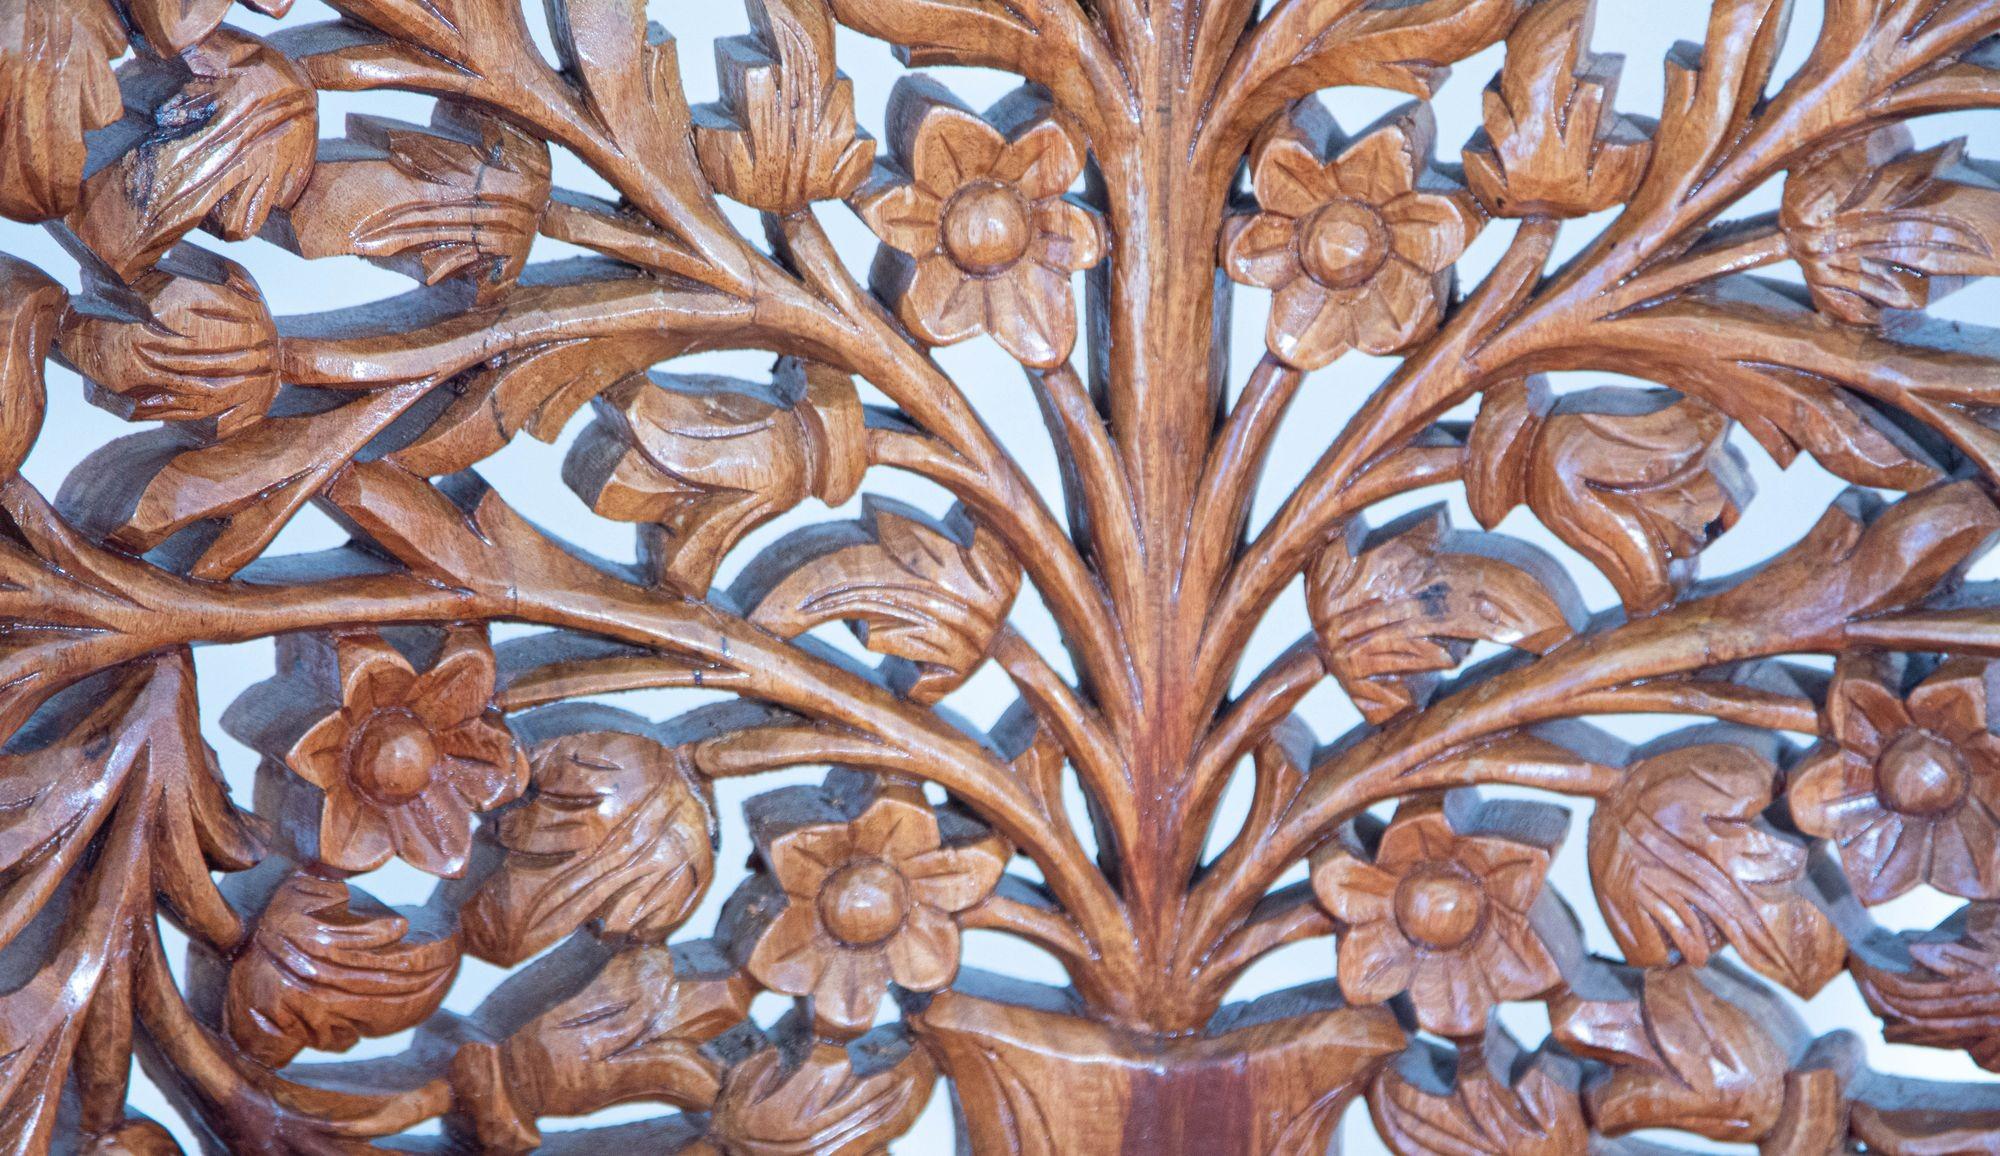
{"points": [[978, 234], [1357, 248], [868, 881], [406, 757], [1450, 909], [1907, 788]]}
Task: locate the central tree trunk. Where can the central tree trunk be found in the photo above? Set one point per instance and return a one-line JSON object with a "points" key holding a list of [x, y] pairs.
{"points": [[1159, 359]]}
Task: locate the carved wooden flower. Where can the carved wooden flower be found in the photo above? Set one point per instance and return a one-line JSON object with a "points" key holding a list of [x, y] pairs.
{"points": [[407, 757], [869, 884], [1358, 247], [1907, 788], [1875, 225], [1447, 911], [979, 236]]}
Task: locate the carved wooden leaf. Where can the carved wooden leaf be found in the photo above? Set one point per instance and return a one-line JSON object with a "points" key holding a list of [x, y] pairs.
{"points": [[1491, 1105], [705, 460], [1683, 862], [328, 965], [536, 390], [1940, 988], [1396, 606], [581, 1032], [807, 1097], [236, 494], [31, 306], [1637, 481], [224, 135], [783, 135], [1683, 1055], [192, 341], [460, 199], [56, 84], [613, 831], [172, 25], [933, 595], [1552, 143]]}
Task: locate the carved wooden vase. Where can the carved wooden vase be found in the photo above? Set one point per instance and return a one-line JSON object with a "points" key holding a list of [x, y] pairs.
{"points": [[452, 682]]}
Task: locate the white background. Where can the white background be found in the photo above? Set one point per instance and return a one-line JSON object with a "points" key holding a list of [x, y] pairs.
{"points": [[527, 474]]}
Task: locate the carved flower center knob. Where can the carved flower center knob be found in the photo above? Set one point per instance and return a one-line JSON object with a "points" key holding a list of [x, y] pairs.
{"points": [[1343, 243], [1439, 909], [863, 903], [393, 755], [987, 227], [1921, 774]]}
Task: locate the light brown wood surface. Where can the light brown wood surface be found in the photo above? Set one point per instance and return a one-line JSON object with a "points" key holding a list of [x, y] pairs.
{"points": [[1158, 154]]}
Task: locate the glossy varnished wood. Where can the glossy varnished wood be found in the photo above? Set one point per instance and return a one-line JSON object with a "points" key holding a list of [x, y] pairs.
{"points": [[1157, 155]]}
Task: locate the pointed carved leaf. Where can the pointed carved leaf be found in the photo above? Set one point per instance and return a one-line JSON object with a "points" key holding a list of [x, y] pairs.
{"points": [[1409, 47], [170, 26], [1394, 607], [537, 389], [230, 138], [461, 198], [328, 965], [613, 831], [1711, 96], [1942, 990], [1682, 1054], [1489, 1109], [31, 306], [705, 460], [195, 343], [1552, 144], [783, 135], [634, 1031], [141, 490], [810, 1098], [1683, 863], [56, 84], [935, 596], [1635, 480]]}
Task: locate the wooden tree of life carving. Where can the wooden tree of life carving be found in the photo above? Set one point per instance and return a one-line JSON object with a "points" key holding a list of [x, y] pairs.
{"points": [[1156, 154]]}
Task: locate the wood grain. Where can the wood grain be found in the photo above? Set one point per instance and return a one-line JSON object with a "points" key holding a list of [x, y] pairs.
{"points": [[428, 707]]}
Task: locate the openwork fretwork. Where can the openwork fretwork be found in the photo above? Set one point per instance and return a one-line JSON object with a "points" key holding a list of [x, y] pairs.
{"points": [[1157, 154]]}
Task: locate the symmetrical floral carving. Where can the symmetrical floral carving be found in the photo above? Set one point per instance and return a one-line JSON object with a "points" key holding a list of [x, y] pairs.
{"points": [[439, 679], [1357, 248]]}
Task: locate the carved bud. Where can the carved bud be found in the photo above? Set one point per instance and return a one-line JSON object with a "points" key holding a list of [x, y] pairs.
{"points": [[615, 831], [226, 135], [1939, 988], [328, 965], [192, 342], [1489, 1104], [1689, 1048], [934, 596], [1552, 144], [705, 460], [1876, 225], [56, 84], [459, 199], [783, 135], [585, 1029], [1395, 607], [805, 1097], [1684, 862], [1637, 481]]}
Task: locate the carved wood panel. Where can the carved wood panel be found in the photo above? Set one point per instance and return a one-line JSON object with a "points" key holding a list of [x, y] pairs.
{"points": [[1157, 154]]}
